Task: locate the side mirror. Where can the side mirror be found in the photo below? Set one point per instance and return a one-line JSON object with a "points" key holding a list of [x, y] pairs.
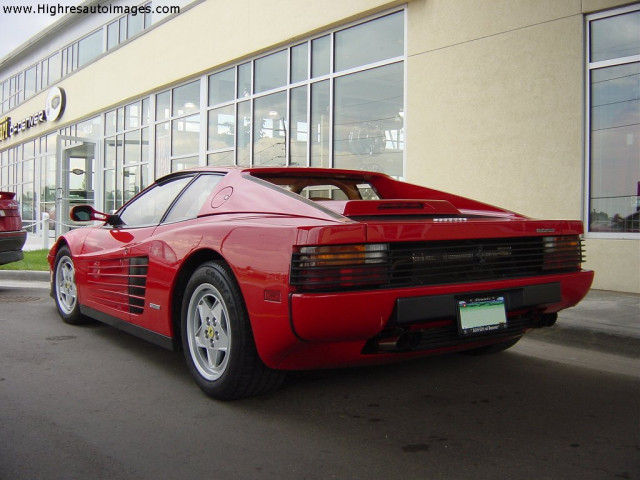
{"points": [[86, 213]]}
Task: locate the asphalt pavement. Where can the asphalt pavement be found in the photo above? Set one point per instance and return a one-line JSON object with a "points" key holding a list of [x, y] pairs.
{"points": [[605, 321]]}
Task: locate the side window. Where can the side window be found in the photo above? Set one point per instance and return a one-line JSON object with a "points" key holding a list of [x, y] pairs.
{"points": [[149, 208], [192, 200]]}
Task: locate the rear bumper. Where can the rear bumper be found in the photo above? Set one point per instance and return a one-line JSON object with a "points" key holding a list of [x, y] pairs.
{"points": [[11, 244], [350, 321]]}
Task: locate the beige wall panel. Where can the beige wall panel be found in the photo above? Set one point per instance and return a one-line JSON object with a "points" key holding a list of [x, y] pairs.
{"points": [[616, 263], [435, 24], [500, 118]]}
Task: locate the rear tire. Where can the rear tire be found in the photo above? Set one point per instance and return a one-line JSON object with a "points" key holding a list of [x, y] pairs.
{"points": [[217, 338]]}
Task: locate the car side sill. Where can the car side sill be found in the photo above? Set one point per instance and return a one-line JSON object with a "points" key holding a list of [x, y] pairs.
{"points": [[148, 335]]}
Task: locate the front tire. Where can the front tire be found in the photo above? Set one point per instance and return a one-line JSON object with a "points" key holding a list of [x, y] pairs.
{"points": [[217, 339], [65, 289]]}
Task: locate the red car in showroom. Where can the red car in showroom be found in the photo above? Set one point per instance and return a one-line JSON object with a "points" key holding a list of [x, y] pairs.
{"points": [[256, 271], [12, 235]]}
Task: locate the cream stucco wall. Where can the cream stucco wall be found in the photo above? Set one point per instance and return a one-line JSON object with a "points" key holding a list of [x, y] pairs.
{"points": [[496, 112]]}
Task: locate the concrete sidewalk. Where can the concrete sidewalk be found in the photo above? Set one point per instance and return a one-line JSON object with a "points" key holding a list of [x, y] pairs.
{"points": [[604, 321]]}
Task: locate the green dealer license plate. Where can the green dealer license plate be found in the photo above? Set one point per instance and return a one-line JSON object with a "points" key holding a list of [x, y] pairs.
{"points": [[477, 315]]}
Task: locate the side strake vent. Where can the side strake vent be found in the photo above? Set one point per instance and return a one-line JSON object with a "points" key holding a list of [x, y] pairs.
{"points": [[120, 283], [402, 264], [137, 283]]}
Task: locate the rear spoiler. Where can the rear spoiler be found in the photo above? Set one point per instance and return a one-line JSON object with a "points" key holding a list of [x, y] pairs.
{"points": [[365, 208], [7, 195]]}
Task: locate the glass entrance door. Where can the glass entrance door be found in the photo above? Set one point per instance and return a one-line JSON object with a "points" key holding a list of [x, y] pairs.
{"points": [[75, 179]]}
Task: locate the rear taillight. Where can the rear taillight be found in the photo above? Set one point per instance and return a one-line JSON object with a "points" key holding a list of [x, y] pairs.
{"points": [[562, 253], [327, 267]]}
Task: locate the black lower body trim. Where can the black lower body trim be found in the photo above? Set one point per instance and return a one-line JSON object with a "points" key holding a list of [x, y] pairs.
{"points": [[148, 335]]}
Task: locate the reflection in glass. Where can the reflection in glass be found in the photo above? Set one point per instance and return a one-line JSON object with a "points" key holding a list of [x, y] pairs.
{"points": [[244, 80], [370, 42], [270, 129], [369, 123], [163, 149], [222, 86], [132, 116], [299, 123], [320, 56], [220, 158], [615, 148], [615, 37], [89, 48], [162, 106], [183, 163], [299, 63], [132, 147], [222, 128], [320, 131], [185, 135], [131, 182], [186, 99], [271, 71], [243, 133]]}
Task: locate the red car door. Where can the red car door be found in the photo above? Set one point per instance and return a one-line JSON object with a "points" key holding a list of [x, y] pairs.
{"points": [[112, 271]]}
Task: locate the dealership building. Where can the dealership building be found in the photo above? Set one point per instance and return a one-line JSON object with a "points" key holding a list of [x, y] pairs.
{"points": [[531, 105]]}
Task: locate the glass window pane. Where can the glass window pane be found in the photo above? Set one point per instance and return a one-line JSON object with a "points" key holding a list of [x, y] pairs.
{"points": [[110, 153], [185, 136], [221, 158], [149, 208], [163, 149], [271, 71], [112, 35], [162, 106], [110, 123], [89, 48], [130, 182], [192, 200], [615, 150], [299, 126], [30, 82], [132, 116], [222, 86], [320, 56], [55, 67], [145, 145], [186, 99], [370, 42], [146, 111], [320, 125], [222, 128], [615, 37], [244, 80], [299, 63], [243, 129], [183, 163], [135, 23], [368, 125], [269, 129], [132, 147]]}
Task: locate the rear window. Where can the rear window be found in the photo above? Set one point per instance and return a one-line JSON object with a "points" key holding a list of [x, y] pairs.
{"points": [[326, 189]]}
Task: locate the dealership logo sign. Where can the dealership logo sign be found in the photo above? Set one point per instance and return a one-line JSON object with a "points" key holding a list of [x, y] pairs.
{"points": [[53, 110]]}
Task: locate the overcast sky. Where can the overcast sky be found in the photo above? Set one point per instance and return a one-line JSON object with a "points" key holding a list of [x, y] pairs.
{"points": [[17, 28]]}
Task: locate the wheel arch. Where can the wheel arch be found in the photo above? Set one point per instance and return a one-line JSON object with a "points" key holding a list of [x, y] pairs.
{"points": [[189, 265]]}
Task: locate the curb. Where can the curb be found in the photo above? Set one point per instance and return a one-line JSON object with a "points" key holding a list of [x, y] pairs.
{"points": [[26, 275], [588, 339]]}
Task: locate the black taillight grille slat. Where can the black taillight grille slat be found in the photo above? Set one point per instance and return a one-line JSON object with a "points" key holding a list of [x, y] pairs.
{"points": [[441, 262]]}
